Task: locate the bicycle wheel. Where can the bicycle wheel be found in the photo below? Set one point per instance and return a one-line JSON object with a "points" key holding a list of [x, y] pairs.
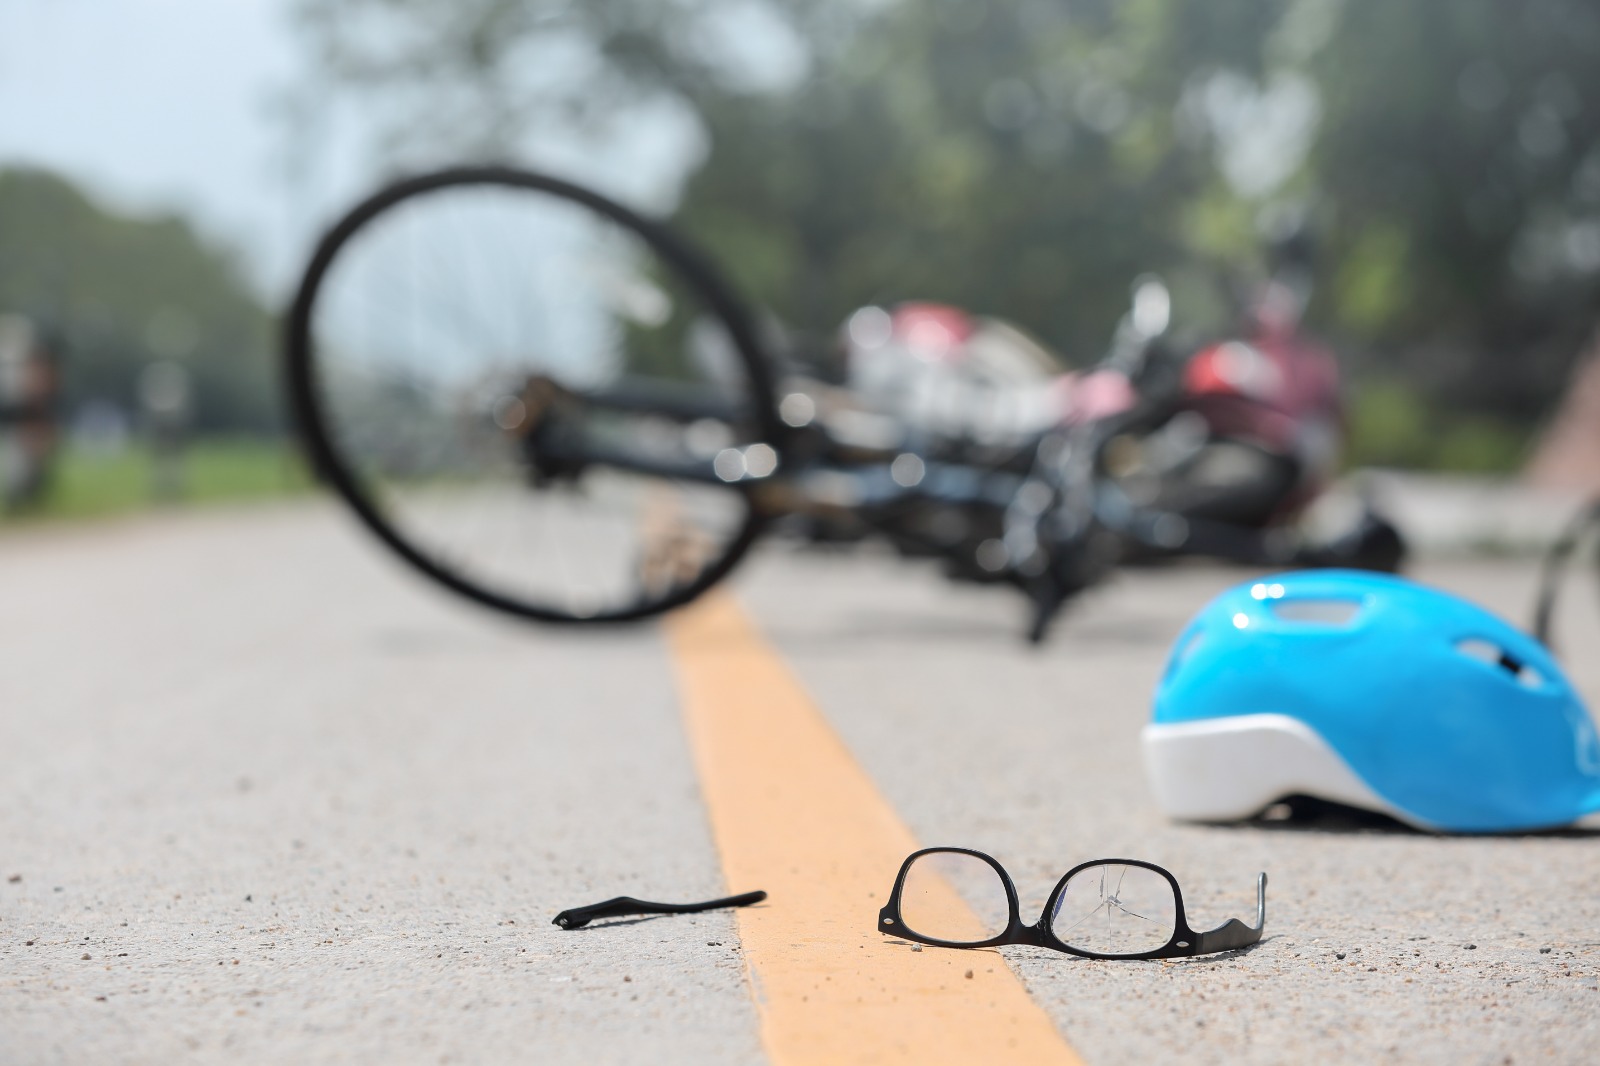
{"points": [[534, 396]]}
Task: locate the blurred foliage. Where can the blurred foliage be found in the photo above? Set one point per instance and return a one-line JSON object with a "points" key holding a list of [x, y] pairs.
{"points": [[89, 483], [473, 75], [115, 293], [1391, 425], [1458, 162], [1013, 158], [1028, 157]]}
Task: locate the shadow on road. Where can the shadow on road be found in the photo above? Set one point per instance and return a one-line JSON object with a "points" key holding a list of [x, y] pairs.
{"points": [[1308, 814]]}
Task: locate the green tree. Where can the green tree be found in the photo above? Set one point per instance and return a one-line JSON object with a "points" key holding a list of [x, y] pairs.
{"points": [[120, 292], [1028, 158], [1459, 158], [1010, 157]]}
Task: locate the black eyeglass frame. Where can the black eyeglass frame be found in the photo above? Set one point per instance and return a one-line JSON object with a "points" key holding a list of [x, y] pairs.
{"points": [[1183, 943]]}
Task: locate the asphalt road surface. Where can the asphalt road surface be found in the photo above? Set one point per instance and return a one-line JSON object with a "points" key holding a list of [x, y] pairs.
{"points": [[264, 797]]}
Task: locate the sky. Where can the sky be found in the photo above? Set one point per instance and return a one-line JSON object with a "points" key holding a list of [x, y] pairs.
{"points": [[159, 105], [155, 106]]}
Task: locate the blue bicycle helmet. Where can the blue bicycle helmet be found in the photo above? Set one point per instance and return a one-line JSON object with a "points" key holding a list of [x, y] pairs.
{"points": [[1375, 692]]}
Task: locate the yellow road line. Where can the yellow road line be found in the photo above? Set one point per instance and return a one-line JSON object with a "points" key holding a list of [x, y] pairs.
{"points": [[792, 812]]}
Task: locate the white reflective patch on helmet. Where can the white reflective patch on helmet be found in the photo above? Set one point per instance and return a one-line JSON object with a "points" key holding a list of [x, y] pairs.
{"points": [[1225, 769]]}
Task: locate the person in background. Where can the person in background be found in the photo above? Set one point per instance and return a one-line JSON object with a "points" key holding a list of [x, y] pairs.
{"points": [[29, 387]]}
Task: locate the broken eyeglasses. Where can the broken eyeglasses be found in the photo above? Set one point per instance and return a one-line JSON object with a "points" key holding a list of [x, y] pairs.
{"points": [[1105, 909]]}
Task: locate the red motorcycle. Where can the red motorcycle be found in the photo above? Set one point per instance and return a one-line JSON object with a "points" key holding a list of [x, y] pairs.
{"points": [[1216, 451]]}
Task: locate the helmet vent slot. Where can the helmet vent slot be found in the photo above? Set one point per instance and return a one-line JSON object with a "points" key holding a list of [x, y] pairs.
{"points": [[1489, 652], [1327, 612]]}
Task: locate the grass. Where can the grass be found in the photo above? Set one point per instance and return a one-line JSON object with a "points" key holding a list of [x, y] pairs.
{"points": [[87, 483]]}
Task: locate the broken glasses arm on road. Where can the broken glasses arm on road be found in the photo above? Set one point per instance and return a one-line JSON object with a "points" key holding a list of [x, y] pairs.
{"points": [[578, 917]]}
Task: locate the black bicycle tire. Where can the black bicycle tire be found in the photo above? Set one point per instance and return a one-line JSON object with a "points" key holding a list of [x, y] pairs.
{"points": [[694, 267], [1553, 566]]}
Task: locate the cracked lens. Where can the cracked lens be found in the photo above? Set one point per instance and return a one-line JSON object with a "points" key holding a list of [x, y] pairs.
{"points": [[1115, 909]]}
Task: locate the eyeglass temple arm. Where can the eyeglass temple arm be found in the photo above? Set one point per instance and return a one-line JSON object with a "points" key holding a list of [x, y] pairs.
{"points": [[578, 917], [1233, 933]]}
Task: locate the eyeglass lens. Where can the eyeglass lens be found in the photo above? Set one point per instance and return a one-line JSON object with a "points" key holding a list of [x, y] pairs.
{"points": [[953, 897], [1115, 909]]}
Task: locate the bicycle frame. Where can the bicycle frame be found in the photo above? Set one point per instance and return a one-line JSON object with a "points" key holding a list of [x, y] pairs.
{"points": [[557, 446]]}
